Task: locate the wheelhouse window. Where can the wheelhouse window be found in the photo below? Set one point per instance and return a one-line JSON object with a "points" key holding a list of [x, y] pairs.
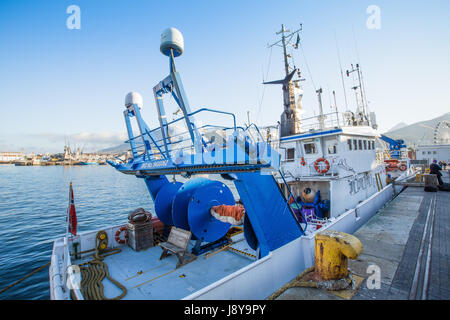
{"points": [[290, 154], [310, 148], [373, 144], [349, 142], [332, 149], [360, 144], [355, 144], [365, 144]]}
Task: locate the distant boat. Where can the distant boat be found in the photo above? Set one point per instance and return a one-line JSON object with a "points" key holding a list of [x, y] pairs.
{"points": [[21, 163], [85, 163]]}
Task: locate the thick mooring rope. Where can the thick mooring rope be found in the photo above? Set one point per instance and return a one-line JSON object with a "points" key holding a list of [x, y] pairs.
{"points": [[92, 277], [27, 276], [96, 270], [331, 285]]}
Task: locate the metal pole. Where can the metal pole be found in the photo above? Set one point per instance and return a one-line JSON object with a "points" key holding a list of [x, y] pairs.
{"points": [[283, 41], [319, 94]]}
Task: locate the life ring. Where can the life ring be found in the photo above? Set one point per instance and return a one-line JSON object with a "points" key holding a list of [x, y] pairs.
{"points": [[303, 162], [118, 232], [403, 167], [316, 165]]}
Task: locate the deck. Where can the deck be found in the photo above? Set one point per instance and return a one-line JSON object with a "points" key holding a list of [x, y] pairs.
{"points": [[147, 278], [409, 240]]}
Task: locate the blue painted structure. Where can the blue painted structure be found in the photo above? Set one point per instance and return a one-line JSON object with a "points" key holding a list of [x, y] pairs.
{"points": [[395, 146], [270, 221]]}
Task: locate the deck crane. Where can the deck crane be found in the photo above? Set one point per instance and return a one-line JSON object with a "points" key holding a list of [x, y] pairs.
{"points": [[395, 146]]}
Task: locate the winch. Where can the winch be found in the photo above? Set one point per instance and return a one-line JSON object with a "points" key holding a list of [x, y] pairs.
{"points": [[239, 155]]}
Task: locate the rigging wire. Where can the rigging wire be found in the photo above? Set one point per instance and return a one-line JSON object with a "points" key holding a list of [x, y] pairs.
{"points": [[342, 73], [264, 86], [307, 66]]}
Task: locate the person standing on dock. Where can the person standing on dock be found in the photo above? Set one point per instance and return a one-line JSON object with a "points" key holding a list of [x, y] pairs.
{"points": [[435, 169]]}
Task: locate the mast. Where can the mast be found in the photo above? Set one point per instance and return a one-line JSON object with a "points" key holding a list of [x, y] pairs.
{"points": [[285, 56], [289, 124], [360, 86]]}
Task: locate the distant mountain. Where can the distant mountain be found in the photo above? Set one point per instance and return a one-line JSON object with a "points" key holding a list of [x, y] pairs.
{"points": [[398, 126], [417, 133], [117, 149]]}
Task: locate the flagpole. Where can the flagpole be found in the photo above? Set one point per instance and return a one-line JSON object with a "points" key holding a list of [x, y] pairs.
{"points": [[68, 212]]}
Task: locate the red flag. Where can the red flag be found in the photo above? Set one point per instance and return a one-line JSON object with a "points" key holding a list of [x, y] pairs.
{"points": [[71, 213]]}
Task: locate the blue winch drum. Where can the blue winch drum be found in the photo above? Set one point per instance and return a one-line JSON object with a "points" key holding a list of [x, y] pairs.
{"points": [[191, 208], [164, 200]]}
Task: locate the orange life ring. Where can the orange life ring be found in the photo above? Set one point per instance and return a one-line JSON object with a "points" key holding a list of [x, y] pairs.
{"points": [[403, 167], [118, 232], [303, 162], [316, 165]]}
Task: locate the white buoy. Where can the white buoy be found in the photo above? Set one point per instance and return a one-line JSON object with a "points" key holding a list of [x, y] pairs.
{"points": [[172, 38], [133, 98]]}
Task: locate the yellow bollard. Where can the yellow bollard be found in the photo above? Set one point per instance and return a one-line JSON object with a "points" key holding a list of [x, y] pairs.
{"points": [[332, 250]]}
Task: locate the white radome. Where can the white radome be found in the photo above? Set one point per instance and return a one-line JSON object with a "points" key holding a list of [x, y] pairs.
{"points": [[172, 38], [133, 98]]}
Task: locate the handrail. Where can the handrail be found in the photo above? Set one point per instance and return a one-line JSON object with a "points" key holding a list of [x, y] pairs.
{"points": [[295, 201]]}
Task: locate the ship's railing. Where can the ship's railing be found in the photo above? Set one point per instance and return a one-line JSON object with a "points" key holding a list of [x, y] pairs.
{"points": [[309, 170], [180, 142], [330, 120]]}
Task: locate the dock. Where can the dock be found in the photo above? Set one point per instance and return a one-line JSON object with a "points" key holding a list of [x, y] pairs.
{"points": [[408, 240]]}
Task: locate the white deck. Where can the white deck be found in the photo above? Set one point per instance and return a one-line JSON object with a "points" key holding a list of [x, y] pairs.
{"points": [[158, 279]]}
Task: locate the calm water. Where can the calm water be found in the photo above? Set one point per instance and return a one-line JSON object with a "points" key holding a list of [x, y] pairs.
{"points": [[33, 204]]}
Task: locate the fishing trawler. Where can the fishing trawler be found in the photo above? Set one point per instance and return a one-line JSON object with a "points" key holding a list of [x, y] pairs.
{"points": [[330, 157], [204, 241]]}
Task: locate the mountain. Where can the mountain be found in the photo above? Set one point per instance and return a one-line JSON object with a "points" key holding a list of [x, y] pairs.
{"points": [[116, 149], [417, 133], [398, 126]]}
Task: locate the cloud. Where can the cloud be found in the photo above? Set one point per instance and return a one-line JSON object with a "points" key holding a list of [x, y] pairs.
{"points": [[108, 139], [54, 142]]}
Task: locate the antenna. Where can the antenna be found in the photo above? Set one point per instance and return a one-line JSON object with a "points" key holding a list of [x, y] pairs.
{"points": [[285, 41], [360, 89], [289, 123]]}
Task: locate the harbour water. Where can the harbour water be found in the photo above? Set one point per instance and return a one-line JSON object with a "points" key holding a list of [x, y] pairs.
{"points": [[33, 204]]}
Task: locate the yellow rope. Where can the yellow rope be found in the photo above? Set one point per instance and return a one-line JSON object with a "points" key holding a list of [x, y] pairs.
{"points": [[96, 270], [27, 276], [331, 285]]}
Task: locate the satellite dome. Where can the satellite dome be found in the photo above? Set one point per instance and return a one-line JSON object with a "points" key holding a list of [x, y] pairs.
{"points": [[133, 98], [172, 38]]}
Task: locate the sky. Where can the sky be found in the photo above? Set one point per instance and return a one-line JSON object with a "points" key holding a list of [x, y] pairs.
{"points": [[60, 84]]}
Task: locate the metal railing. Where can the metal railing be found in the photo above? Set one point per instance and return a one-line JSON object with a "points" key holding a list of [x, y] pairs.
{"points": [[181, 142]]}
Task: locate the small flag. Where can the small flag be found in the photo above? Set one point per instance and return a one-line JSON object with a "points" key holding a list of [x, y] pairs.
{"points": [[297, 42], [71, 213]]}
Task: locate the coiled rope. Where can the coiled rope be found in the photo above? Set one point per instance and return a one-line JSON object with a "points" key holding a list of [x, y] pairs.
{"points": [[95, 271]]}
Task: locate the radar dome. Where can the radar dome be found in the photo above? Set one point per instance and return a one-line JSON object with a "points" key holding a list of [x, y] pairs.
{"points": [[133, 98], [172, 38]]}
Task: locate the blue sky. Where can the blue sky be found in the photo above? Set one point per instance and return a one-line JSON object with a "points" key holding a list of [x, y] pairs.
{"points": [[56, 82]]}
